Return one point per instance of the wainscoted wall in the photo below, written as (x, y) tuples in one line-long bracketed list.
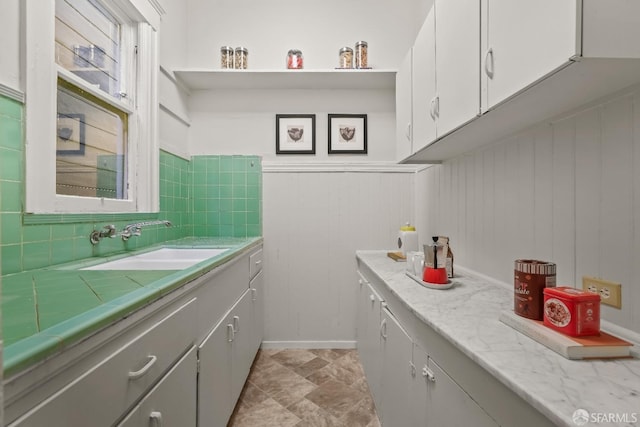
[(314, 221), (566, 191)]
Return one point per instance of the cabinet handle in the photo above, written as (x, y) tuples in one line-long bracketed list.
[(428, 374), (408, 131), (254, 293), (236, 324), (383, 328), (156, 417), (412, 368), (137, 374), (372, 298), (435, 107), (230, 333), (488, 63)]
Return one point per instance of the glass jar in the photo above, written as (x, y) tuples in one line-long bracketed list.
[(346, 58), (241, 58), (226, 57), (361, 54), (295, 60)]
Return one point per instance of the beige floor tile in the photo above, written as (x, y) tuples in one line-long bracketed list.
[(335, 397), (268, 413), (294, 357)]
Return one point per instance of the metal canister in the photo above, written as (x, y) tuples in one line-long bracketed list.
[(241, 58), (346, 58), (226, 57), (530, 279), (361, 54)]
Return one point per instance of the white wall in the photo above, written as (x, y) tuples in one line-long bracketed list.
[(566, 191), (269, 28), (313, 224), (243, 122), (174, 120), (10, 45)]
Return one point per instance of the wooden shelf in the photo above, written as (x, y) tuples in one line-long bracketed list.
[(202, 79)]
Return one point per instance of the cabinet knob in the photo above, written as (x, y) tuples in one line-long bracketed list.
[(236, 324), (428, 374), (156, 417), (383, 328)]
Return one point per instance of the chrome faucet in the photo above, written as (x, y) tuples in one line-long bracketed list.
[(135, 229), (107, 231)]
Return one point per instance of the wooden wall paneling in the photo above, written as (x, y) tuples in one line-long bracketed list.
[(543, 192), (488, 210), (633, 304), (524, 208), (512, 246), (499, 214), (617, 203), (588, 194), (563, 239)]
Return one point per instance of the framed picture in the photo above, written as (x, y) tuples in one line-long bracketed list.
[(70, 134), (347, 134), (295, 134)]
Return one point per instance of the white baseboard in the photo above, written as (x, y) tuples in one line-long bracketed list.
[(308, 344)]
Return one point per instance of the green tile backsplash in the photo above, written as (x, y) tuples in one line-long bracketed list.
[(209, 196)]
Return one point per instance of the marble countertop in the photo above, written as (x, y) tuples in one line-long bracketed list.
[(468, 316), (45, 310)]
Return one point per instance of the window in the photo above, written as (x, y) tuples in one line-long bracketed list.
[(91, 106)]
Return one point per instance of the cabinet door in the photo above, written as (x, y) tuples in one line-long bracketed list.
[(404, 108), (525, 41), (419, 408), (457, 63), (396, 371), (449, 405), (256, 287), (242, 345), (424, 84), (172, 402), (215, 355), (368, 342)]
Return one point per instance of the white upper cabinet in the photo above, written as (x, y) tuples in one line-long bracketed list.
[(424, 84), (538, 60), (404, 108), (457, 63), (523, 41)]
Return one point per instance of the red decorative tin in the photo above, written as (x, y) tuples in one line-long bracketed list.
[(530, 278), (572, 311)]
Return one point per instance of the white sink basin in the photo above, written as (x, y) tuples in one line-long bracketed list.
[(161, 259)]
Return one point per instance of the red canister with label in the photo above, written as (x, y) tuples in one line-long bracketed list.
[(572, 311), (531, 277)]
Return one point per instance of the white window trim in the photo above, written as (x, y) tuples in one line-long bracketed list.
[(40, 83)]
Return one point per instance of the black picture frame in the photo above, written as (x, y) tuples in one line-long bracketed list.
[(347, 133), (295, 134), (70, 135)]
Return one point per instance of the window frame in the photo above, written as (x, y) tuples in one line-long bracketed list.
[(40, 83)]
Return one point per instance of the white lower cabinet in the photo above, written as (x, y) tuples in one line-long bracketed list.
[(225, 358), (438, 401), (172, 402), (409, 388), (369, 343), (396, 372)]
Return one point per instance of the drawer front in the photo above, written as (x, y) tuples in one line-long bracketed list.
[(102, 394), (172, 402), (255, 263)]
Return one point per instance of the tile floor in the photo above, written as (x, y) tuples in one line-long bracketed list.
[(305, 388)]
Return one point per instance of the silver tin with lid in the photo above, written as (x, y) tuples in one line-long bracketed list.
[(362, 54), (346, 58), (241, 58)]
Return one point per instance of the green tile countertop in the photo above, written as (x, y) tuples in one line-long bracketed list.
[(45, 310)]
